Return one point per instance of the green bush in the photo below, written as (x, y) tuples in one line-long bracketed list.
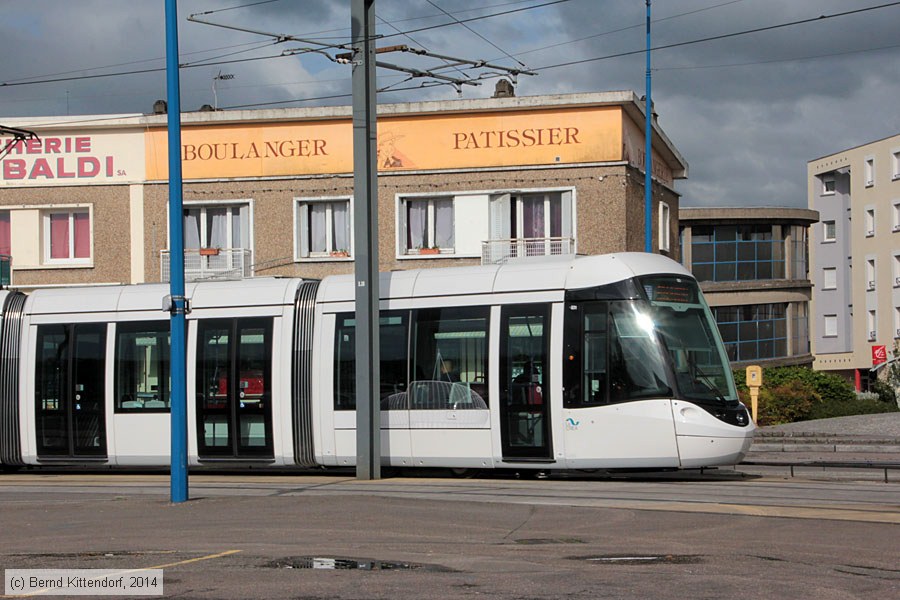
[(828, 386), (793, 394), (885, 391), (785, 403), (827, 409)]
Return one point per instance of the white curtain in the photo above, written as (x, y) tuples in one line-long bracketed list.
[(317, 227), (341, 226), (217, 228), (418, 213), (236, 226), (443, 223), (192, 228)]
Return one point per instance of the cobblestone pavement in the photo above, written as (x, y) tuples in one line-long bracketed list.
[(885, 425)]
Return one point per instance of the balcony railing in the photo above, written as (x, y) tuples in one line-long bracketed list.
[(203, 264), (501, 251)]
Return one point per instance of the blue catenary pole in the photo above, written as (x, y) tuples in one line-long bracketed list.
[(179, 470), (648, 152)]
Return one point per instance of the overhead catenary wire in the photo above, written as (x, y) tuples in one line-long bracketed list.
[(778, 60), (547, 67), (508, 55), (719, 37)]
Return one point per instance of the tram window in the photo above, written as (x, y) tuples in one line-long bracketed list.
[(450, 362), (393, 345), (612, 355), (585, 370), (143, 379), (635, 363)]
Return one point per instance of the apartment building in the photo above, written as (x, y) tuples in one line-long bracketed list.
[(270, 192), (752, 267), (855, 253)]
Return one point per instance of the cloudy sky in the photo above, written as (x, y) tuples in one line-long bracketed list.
[(747, 111)]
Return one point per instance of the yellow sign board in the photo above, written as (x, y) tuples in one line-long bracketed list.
[(405, 143)]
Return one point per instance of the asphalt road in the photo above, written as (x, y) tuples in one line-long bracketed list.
[(712, 536)]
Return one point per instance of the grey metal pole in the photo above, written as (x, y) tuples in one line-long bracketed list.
[(365, 233)]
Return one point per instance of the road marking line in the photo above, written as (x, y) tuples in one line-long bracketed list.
[(191, 560)]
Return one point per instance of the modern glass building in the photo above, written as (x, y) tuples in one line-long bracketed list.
[(752, 267)]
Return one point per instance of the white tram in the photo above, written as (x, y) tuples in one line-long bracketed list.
[(595, 362)]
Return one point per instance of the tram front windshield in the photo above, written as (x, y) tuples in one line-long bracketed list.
[(688, 333)]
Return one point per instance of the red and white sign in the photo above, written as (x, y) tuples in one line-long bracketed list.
[(64, 159), (879, 355)]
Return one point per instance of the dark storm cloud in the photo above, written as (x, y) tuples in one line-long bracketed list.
[(747, 130)]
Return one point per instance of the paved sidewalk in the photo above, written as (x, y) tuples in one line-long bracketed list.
[(859, 447), (884, 425)]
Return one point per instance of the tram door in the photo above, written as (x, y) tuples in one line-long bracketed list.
[(70, 398), (234, 388), (524, 372)]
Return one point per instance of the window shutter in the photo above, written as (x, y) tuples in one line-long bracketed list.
[(500, 216), (567, 212), (402, 228), (303, 229)]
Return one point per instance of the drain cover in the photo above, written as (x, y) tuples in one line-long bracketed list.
[(362, 564)]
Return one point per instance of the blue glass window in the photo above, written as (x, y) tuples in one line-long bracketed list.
[(753, 331), (736, 253)]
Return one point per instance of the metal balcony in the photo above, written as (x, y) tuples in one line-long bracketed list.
[(205, 264), (500, 251)]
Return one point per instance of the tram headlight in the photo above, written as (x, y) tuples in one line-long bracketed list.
[(741, 417)]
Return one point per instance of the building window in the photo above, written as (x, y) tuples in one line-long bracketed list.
[(800, 329), (323, 228), (870, 221), (870, 274), (829, 231), (895, 164), (217, 226), (427, 226), (67, 236), (143, 378), (753, 331), (799, 251), (829, 279), (831, 329), (736, 253), (895, 225), (665, 226), (870, 171), (5, 233), (531, 216), (897, 270), (828, 183), (897, 322), (872, 322), (531, 224)]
